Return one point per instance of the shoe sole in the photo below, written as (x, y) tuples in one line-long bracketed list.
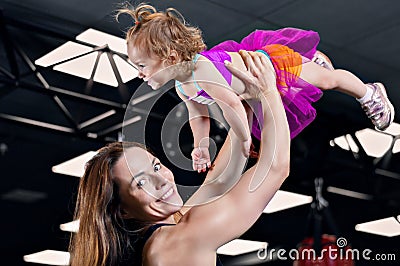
[(382, 87)]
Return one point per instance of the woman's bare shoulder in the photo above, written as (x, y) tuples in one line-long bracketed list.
[(158, 248)]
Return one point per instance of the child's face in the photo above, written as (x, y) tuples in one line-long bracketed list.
[(151, 67)]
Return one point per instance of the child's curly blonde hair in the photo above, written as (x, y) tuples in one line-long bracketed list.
[(160, 32)]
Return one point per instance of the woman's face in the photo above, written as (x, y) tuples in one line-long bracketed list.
[(147, 188), (152, 69)]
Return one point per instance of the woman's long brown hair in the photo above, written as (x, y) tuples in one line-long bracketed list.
[(102, 238)]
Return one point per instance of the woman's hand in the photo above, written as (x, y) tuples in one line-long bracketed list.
[(259, 78)]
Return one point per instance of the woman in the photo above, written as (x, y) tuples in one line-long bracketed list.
[(127, 202)]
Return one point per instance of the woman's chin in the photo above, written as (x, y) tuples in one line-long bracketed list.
[(175, 201)]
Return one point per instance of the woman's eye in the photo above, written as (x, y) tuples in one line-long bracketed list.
[(157, 167), (141, 183)]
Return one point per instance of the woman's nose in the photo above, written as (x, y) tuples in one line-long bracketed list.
[(160, 181)]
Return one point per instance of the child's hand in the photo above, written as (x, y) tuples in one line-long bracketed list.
[(246, 147), (201, 159)]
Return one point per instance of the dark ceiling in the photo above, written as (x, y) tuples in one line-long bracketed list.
[(42, 111)]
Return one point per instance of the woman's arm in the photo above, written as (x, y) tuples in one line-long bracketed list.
[(231, 215), (222, 176)]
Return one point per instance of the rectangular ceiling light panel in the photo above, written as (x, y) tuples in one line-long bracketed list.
[(375, 143), (99, 38), (49, 257), (75, 166), (285, 200), (241, 246), (385, 227), (72, 227), (64, 52)]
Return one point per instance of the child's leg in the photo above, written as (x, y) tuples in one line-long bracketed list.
[(340, 80), (372, 97)]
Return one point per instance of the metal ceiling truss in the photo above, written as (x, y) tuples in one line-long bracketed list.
[(14, 79)]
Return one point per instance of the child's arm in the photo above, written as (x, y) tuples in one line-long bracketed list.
[(213, 83), (233, 111), (200, 124)]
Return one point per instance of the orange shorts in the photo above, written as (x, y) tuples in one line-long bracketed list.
[(285, 60)]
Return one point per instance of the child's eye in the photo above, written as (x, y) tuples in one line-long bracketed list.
[(157, 167), (141, 66), (141, 183)]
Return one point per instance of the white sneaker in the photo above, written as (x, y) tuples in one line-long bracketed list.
[(378, 108)]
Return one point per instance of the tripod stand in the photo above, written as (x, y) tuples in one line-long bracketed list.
[(318, 248)]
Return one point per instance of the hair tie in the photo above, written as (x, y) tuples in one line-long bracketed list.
[(137, 22)]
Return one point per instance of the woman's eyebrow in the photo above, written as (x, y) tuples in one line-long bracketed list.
[(135, 176)]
